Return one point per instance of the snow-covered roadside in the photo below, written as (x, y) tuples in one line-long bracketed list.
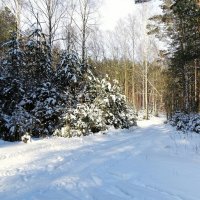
[(152, 162)]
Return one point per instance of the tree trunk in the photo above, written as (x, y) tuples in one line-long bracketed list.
[(195, 86), (146, 91), (126, 80)]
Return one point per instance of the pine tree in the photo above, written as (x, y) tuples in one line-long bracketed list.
[(180, 23), (99, 105), (69, 73), (13, 63), (11, 93), (38, 66), (70, 102)]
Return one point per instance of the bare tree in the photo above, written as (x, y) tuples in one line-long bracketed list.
[(132, 33), (145, 58), (70, 32), (51, 13), (111, 45), (96, 45), (87, 11)]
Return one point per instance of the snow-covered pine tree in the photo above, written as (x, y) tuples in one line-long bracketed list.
[(70, 73), (11, 93), (46, 103), (11, 83), (13, 63), (25, 72), (72, 103), (99, 106), (38, 66), (114, 106)]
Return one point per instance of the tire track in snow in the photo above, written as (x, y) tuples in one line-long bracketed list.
[(136, 188), (156, 189), (109, 167)]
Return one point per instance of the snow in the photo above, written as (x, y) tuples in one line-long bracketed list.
[(152, 162)]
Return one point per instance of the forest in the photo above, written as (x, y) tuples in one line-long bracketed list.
[(99, 99), (61, 75)]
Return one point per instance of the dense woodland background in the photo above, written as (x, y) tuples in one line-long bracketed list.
[(61, 75)]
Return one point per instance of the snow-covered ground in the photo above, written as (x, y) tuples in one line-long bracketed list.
[(152, 162)]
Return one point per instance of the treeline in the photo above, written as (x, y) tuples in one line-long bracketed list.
[(131, 77), (57, 92), (48, 91), (119, 54), (179, 26)]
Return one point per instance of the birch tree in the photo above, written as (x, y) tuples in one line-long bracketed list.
[(87, 11), (70, 30), (51, 14)]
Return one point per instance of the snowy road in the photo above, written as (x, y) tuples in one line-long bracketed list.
[(152, 162)]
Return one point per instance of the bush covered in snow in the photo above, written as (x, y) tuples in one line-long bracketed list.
[(82, 120), (186, 122), (11, 92), (100, 106), (68, 102), (46, 104), (115, 109)]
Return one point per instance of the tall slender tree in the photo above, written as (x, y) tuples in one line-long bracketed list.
[(180, 23)]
